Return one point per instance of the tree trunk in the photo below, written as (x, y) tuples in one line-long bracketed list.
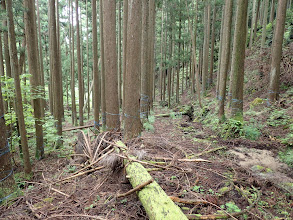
[(193, 41), (162, 44), (79, 74), (57, 80), (145, 68), (210, 81), (15, 70), (179, 51), (205, 63), (256, 21), (8, 66), (41, 60), (1, 57), (133, 125), (272, 13), (238, 57), (119, 56), (220, 52), (87, 63), (102, 84), (97, 96), (151, 34), (110, 59), (125, 20), (264, 23), (34, 69), (274, 85), (225, 55)]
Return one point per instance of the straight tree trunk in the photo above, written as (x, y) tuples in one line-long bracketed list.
[(41, 60), (256, 20), (205, 64), (145, 62), (15, 70), (220, 51), (193, 41), (161, 63), (79, 73), (274, 85), (57, 80), (110, 59), (73, 102), (272, 13), (1, 57), (210, 81), (96, 91), (88, 61), (6, 46), (264, 23), (225, 55), (132, 121), (178, 62), (103, 74), (152, 16), (238, 57), (119, 56), (125, 20), (34, 68)]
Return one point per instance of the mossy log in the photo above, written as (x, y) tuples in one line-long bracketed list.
[(156, 202)]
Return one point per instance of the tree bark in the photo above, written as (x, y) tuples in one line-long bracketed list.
[(1, 57), (15, 70), (102, 84), (132, 121), (34, 68), (205, 63), (238, 57), (96, 91), (125, 20), (145, 64), (80, 79), (57, 80), (274, 85), (225, 56), (264, 23), (110, 59), (119, 55), (210, 81), (73, 102)]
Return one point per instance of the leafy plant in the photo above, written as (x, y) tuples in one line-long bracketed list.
[(231, 207), (148, 125), (287, 156)]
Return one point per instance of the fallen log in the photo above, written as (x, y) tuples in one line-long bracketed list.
[(153, 198)]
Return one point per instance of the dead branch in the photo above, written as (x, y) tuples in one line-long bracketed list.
[(188, 201), (139, 187), (79, 127)]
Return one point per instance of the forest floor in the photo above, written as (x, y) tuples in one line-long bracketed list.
[(239, 172), (234, 173)]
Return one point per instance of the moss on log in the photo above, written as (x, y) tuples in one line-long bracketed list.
[(156, 202)]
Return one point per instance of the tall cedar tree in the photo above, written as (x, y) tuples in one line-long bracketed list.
[(18, 98), (95, 66), (145, 65), (110, 59), (103, 98), (79, 72), (54, 62), (205, 65), (34, 68), (238, 57), (274, 86), (133, 126), (225, 55)]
